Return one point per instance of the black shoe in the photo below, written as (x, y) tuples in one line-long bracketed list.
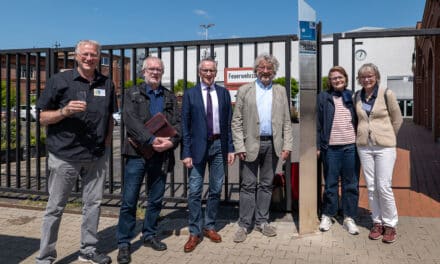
[(155, 244), (95, 258), (124, 256)]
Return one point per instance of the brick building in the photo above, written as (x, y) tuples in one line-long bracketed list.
[(426, 66), (37, 67)]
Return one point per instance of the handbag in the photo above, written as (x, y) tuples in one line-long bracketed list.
[(278, 192)]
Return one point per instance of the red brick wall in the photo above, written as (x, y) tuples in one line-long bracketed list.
[(427, 73)]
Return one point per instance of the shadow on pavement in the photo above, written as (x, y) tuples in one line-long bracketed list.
[(173, 222), (15, 249), (106, 244)]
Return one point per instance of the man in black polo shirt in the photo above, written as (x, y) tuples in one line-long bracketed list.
[(77, 106)]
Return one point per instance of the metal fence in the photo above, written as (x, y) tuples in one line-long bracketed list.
[(24, 73)]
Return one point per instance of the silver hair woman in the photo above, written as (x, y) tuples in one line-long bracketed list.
[(379, 120)]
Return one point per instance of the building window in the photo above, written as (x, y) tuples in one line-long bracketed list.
[(406, 107), (402, 106), (409, 107), (23, 72), (105, 61)]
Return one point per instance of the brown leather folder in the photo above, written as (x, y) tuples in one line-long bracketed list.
[(159, 126)]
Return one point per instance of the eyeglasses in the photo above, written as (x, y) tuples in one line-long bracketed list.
[(208, 70), (268, 68), (159, 70), (89, 54), (336, 78), (369, 77)]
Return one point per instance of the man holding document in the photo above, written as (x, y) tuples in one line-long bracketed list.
[(146, 152)]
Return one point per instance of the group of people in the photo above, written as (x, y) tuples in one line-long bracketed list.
[(77, 105), (351, 128)]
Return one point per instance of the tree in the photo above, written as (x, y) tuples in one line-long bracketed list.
[(293, 85), (33, 99), (129, 83), (178, 87), (324, 83), (11, 94)]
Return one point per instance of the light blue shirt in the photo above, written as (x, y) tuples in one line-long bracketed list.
[(264, 106)]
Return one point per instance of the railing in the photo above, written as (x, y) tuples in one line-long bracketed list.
[(24, 73)]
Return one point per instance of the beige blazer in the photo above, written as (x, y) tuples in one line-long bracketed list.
[(245, 121)]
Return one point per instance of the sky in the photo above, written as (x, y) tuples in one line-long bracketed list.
[(44, 23)]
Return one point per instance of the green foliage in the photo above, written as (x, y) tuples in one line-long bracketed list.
[(33, 99), (42, 136), (324, 84), (293, 85), (13, 144), (3, 94), (178, 87), (129, 83)]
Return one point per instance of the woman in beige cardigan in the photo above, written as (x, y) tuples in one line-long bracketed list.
[(379, 120)]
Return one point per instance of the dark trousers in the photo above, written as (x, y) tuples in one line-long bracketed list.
[(256, 189)]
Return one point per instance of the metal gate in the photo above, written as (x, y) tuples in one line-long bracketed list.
[(24, 74)]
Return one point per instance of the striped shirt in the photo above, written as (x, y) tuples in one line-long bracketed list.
[(342, 128)]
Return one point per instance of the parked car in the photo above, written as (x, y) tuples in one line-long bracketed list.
[(117, 118), (32, 112)]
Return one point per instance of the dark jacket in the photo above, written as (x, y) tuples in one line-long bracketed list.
[(326, 113), (136, 112), (195, 132)]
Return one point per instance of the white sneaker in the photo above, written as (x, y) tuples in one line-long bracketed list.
[(240, 235), (266, 229), (326, 223), (350, 226)]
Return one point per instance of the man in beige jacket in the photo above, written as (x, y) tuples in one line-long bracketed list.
[(262, 134)]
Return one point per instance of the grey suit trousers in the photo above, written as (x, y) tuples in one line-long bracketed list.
[(62, 178), (256, 189)]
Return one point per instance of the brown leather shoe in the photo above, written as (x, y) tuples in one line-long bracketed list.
[(192, 243), (212, 235)]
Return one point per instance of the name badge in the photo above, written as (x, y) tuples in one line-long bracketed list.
[(366, 107), (98, 92)]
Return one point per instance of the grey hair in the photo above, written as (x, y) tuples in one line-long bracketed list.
[(267, 58), (144, 64), (368, 67), (210, 59), (88, 41)]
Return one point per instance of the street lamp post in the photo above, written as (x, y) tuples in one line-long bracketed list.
[(206, 26)]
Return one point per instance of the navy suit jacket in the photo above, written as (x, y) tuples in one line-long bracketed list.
[(194, 127)]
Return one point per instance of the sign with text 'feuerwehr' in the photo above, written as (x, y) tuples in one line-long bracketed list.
[(236, 77)]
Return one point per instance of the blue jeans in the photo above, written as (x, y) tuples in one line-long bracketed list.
[(135, 169), (341, 161), (214, 158)]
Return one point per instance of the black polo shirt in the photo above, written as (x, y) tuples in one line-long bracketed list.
[(81, 136)]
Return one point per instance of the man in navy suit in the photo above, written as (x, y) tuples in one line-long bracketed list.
[(207, 138)]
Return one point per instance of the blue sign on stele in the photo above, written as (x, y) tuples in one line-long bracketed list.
[(307, 30)]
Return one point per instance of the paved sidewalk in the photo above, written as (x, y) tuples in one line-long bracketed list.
[(418, 235), (418, 242)]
